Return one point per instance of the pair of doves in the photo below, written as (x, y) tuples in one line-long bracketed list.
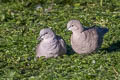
[(83, 40)]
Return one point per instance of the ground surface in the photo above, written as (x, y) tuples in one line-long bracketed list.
[(20, 23)]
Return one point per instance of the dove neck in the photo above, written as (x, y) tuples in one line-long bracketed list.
[(77, 32), (51, 42), (50, 39)]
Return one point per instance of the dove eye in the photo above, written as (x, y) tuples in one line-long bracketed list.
[(72, 25), (46, 33)]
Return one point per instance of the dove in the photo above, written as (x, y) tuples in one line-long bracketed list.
[(50, 44), (85, 40)]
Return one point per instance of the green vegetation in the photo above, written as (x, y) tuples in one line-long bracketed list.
[(20, 23)]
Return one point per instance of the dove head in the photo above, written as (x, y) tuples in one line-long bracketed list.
[(74, 25), (46, 33)]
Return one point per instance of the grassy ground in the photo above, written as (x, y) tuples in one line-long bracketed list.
[(20, 23)]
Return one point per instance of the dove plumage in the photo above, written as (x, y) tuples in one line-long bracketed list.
[(85, 40), (51, 45)]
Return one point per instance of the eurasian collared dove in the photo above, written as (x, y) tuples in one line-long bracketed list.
[(85, 40), (50, 44)]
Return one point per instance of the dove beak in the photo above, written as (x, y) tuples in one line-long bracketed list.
[(40, 38), (68, 28)]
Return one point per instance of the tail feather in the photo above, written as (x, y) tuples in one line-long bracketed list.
[(100, 30)]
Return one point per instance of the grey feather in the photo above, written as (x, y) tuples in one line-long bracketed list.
[(51, 44), (85, 40)]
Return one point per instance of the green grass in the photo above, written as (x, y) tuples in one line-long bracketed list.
[(20, 24)]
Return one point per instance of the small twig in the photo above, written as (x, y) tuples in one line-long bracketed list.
[(117, 74), (115, 71)]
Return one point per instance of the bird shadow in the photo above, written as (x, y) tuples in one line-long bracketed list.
[(70, 51), (115, 47)]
